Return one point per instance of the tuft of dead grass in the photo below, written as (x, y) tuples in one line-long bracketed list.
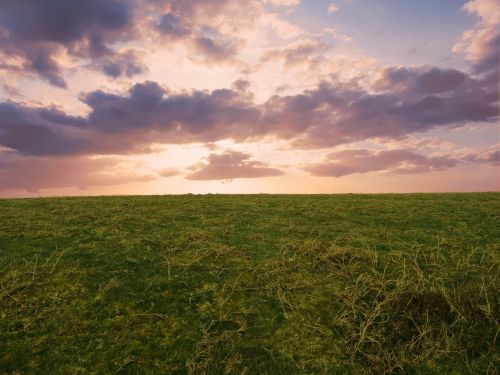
[(428, 309)]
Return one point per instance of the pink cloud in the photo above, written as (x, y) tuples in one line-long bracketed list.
[(36, 173), (230, 165), (481, 43), (169, 172), (343, 163), (333, 113)]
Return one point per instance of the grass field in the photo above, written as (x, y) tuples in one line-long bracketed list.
[(262, 284)]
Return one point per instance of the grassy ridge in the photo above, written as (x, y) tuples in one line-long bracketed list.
[(250, 284)]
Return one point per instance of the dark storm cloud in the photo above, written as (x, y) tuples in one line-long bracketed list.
[(230, 165), (344, 163)]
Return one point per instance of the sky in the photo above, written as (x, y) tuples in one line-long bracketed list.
[(113, 97)]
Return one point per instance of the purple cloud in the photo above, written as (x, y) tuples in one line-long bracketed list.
[(329, 115), (169, 172), (230, 165), (36, 173), (336, 113), (310, 52), (174, 26), (481, 43), (194, 116), (215, 47), (421, 80), (491, 157), (343, 163), (125, 64), (37, 31)]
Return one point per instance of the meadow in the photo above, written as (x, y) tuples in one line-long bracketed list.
[(258, 284)]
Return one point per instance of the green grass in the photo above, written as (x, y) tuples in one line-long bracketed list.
[(262, 284)]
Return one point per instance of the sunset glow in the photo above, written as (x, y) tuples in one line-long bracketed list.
[(248, 96)]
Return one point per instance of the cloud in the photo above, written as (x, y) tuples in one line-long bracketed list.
[(491, 157), (230, 165), (211, 29), (283, 3), (405, 101), (335, 34), (39, 31), (128, 123), (40, 131), (488, 10), (335, 113), (36, 173), (215, 46), (207, 43), (355, 102), (304, 52), (174, 26), (126, 64), (169, 172), (421, 80), (283, 29), (396, 161), (47, 36), (332, 8), (184, 117), (57, 21), (481, 43), (42, 60), (343, 163), (51, 36), (197, 8)]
